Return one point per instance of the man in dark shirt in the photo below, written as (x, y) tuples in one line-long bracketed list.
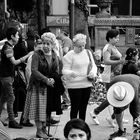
[(7, 67)]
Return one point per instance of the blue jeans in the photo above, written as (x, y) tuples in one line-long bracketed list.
[(7, 96)]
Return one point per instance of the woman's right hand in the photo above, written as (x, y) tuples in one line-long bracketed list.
[(73, 75), (68, 77), (50, 82)]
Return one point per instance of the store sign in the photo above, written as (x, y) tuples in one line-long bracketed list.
[(130, 35), (63, 21), (57, 21)]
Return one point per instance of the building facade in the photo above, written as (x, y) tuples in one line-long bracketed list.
[(125, 18)]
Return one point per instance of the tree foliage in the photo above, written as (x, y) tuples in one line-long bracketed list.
[(21, 10), (81, 14), (21, 5)]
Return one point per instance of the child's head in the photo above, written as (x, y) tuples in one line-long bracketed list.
[(132, 54)]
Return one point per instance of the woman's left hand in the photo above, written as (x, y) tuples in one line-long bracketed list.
[(91, 76)]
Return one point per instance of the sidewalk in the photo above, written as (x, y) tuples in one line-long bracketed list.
[(99, 132)]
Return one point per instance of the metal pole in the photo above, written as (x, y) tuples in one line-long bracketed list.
[(130, 8), (71, 19)]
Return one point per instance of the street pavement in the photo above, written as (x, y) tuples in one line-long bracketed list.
[(99, 132)]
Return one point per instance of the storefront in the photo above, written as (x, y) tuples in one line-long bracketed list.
[(129, 28), (56, 23)]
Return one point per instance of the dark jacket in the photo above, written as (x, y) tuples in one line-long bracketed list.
[(40, 72)]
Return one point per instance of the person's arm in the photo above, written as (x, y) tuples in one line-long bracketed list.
[(109, 61), (67, 64), (21, 60), (10, 54)]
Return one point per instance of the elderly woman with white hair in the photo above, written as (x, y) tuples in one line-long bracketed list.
[(77, 74), (44, 86)]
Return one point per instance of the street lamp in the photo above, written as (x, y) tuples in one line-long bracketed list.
[(71, 18)]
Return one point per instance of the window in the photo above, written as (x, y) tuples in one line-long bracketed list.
[(135, 8), (118, 8), (93, 8)]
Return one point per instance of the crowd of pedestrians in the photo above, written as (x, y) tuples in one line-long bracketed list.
[(39, 73)]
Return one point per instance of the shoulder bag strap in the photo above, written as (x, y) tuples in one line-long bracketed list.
[(90, 62), (88, 55)]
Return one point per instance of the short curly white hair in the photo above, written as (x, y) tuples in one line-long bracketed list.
[(80, 38), (48, 36)]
